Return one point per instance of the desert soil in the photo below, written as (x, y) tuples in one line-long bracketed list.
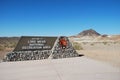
[(108, 52)]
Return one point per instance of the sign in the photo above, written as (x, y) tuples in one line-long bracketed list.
[(36, 48), (32, 43)]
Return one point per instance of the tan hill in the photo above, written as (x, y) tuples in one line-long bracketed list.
[(91, 35)]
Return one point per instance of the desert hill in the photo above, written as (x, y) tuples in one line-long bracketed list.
[(89, 32), (91, 35)]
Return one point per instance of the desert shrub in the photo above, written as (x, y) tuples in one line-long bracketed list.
[(84, 43), (92, 44), (77, 46), (115, 42), (1, 48), (12, 45), (6, 45), (104, 43)]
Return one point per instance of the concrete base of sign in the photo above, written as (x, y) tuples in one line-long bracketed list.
[(77, 68)]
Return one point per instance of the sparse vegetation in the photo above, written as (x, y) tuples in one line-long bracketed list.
[(92, 44), (6, 42), (105, 43), (84, 43), (1, 48), (114, 42), (77, 46)]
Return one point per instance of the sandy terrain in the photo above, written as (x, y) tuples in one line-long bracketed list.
[(79, 68), (103, 51)]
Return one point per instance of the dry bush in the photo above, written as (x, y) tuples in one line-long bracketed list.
[(1, 48), (92, 44), (105, 43), (77, 46)]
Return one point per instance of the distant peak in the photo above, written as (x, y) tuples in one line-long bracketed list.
[(89, 32)]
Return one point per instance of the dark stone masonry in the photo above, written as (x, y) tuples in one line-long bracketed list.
[(37, 48)]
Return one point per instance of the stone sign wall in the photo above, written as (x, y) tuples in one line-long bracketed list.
[(36, 48)]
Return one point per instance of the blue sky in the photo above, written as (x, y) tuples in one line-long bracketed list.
[(58, 17)]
